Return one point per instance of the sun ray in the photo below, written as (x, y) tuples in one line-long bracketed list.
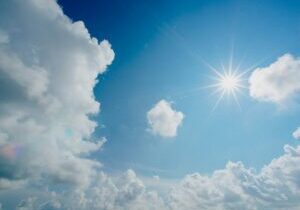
[(218, 101), (236, 99)]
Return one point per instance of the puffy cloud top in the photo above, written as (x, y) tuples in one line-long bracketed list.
[(274, 187), (296, 133), (278, 82), (163, 120), (236, 187), (48, 69)]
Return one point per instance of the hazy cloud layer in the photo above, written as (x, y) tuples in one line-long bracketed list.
[(279, 82), (163, 120)]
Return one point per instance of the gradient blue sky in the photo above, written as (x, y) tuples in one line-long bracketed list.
[(160, 47)]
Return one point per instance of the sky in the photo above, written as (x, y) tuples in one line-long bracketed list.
[(159, 105), (159, 49)]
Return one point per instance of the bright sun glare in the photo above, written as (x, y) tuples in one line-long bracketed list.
[(227, 83)]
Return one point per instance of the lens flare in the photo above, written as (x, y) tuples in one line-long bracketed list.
[(10, 151)]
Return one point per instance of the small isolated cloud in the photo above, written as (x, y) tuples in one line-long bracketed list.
[(163, 120), (296, 133), (279, 82)]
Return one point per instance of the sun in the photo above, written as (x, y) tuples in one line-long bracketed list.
[(228, 83)]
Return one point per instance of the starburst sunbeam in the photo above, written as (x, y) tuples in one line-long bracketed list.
[(229, 83)]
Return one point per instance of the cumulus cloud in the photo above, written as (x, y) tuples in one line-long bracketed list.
[(279, 82), (48, 69), (125, 191), (296, 133), (163, 120), (274, 187)]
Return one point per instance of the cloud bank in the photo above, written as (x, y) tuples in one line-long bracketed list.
[(274, 187), (163, 120)]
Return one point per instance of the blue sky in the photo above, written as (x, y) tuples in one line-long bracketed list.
[(159, 48), (149, 105)]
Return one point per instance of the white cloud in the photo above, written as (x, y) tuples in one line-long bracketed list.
[(274, 187), (296, 133), (11, 184), (28, 204), (279, 82), (163, 120), (122, 192), (125, 191), (48, 69)]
